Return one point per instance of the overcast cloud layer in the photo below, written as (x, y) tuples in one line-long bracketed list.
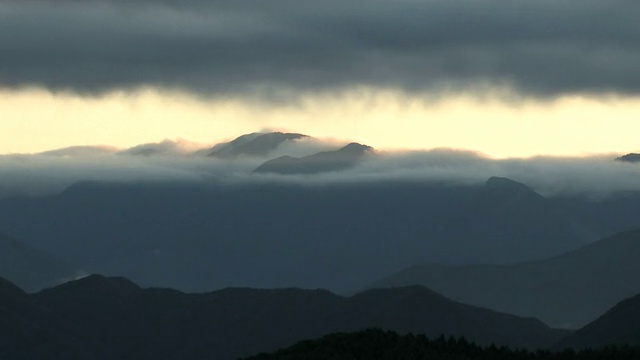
[(543, 48)]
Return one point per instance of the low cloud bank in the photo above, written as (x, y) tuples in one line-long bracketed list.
[(51, 172)]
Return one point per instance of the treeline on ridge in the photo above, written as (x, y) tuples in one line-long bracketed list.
[(376, 344)]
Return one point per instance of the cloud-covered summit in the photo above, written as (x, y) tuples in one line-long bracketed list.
[(541, 48), (310, 161)]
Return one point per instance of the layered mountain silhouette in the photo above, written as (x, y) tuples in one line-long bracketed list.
[(31, 331), (632, 158), (508, 218), (117, 319), (340, 236), (255, 144), (564, 291), (620, 325), (33, 270), (341, 159), (101, 317)]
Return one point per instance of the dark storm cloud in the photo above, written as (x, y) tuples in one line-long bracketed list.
[(543, 48)]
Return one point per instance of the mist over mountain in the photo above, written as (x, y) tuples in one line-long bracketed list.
[(118, 319), (569, 290), (256, 145), (631, 158), (32, 269), (327, 215), (51, 172), (341, 159), (250, 242), (195, 222), (81, 151), (163, 148)]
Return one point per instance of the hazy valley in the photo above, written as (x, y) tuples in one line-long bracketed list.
[(275, 213)]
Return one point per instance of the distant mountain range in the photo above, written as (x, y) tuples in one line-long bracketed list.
[(569, 290), (341, 236), (258, 144), (107, 318), (500, 245), (254, 145), (101, 317)]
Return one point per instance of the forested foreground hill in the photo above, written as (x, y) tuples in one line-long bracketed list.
[(374, 344)]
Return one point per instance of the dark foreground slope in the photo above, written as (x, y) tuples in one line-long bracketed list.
[(339, 236), (375, 344), (564, 291), (120, 320), (31, 331), (620, 325)]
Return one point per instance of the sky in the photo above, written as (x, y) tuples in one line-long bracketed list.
[(506, 79)]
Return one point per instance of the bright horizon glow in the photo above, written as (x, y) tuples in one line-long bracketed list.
[(35, 120)]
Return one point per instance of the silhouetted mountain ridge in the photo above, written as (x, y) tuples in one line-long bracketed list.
[(567, 290), (265, 234), (341, 159), (501, 186), (80, 151), (631, 157), (118, 319), (255, 144), (97, 284), (619, 325)]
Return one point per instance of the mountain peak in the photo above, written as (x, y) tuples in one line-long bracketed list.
[(502, 186), (355, 147), (96, 279), (99, 283), (341, 159), (631, 157), (496, 182), (254, 144)]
